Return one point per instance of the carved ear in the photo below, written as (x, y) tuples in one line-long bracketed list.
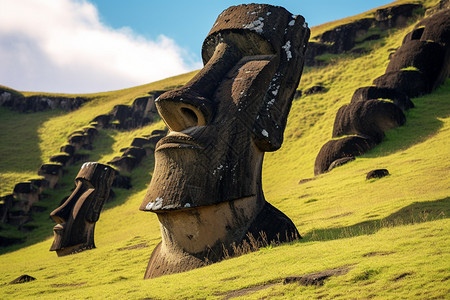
[(271, 120)]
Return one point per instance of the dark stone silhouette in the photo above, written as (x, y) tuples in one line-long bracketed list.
[(337, 149), (221, 123), (340, 162), (121, 181), (395, 16), (427, 57), (51, 173), (412, 83), (367, 118), (373, 92), (17, 101), (77, 216), (314, 90), (63, 159), (379, 173), (69, 149), (22, 279)]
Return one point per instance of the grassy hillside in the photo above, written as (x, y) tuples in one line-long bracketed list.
[(391, 236)]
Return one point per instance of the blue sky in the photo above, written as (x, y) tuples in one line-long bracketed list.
[(80, 46), (188, 22)]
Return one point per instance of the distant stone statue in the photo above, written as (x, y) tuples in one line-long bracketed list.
[(76, 217), (206, 188)]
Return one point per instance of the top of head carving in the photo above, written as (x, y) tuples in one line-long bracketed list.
[(231, 112)]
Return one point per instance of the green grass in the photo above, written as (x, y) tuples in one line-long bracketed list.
[(392, 233)]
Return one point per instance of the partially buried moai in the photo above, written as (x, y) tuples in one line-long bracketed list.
[(76, 217), (206, 187)]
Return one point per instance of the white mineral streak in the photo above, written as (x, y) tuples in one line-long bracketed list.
[(155, 205), (256, 25), (292, 23), (187, 205), (287, 48), (305, 25), (265, 133), (269, 13)]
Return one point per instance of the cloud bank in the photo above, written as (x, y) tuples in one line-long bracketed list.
[(62, 46)]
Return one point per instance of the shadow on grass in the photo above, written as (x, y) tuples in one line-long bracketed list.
[(417, 212), (422, 122), (19, 147)]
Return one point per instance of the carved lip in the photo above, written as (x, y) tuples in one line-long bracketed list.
[(178, 140), (59, 227)]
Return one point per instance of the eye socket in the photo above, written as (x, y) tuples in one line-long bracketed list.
[(189, 116)]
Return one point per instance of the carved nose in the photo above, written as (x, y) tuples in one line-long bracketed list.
[(184, 108)]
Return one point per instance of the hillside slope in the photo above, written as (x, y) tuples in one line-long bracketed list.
[(388, 237)]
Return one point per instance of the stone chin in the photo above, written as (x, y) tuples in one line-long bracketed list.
[(62, 244), (189, 175)]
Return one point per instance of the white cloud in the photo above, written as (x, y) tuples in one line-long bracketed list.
[(62, 46)]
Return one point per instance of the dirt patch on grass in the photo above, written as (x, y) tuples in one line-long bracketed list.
[(403, 275), (242, 292), (378, 253), (133, 247), (58, 285), (317, 278)]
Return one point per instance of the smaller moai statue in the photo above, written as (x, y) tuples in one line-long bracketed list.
[(76, 217)]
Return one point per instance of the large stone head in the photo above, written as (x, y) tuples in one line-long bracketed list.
[(206, 186), (231, 112), (76, 217)]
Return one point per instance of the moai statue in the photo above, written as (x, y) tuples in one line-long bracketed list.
[(76, 217), (206, 188)]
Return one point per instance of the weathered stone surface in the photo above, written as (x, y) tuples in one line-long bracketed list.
[(367, 118), (427, 57), (27, 193), (102, 121), (316, 49), (51, 173), (436, 28), (69, 149), (22, 279), (336, 149), (221, 122), (339, 162), (40, 183), (77, 216), (412, 83), (124, 163), (77, 140), (140, 142), (373, 92), (395, 16), (379, 173), (121, 181), (314, 90), (135, 152), (16, 101), (442, 5), (342, 38), (63, 159)]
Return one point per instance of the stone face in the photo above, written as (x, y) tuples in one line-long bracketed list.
[(379, 173), (373, 92), (51, 173), (337, 149), (412, 83), (367, 118), (221, 123), (77, 215)]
